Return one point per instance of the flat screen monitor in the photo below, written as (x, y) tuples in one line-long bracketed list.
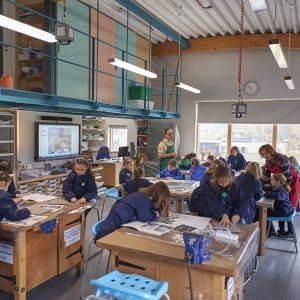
[(55, 141), (123, 151)]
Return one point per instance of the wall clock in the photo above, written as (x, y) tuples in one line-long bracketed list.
[(251, 88)]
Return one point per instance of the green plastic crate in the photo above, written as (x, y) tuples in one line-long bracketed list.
[(140, 93)]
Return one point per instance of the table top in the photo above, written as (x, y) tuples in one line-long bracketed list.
[(68, 208), (165, 247), (263, 202)]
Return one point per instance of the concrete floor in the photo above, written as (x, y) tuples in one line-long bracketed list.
[(277, 278)]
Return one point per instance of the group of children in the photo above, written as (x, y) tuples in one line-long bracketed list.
[(219, 196)]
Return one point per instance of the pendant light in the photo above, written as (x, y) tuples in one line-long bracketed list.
[(288, 78), (276, 48), (239, 109), (178, 83)]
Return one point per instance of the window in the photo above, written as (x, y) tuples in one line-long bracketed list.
[(212, 139), (288, 139), (117, 137), (249, 137)]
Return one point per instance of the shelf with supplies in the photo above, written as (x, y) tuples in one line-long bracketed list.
[(8, 139), (142, 137)]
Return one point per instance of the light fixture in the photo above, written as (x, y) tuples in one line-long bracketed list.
[(258, 5), (26, 29), (278, 54), (178, 83), (289, 82), (130, 67), (187, 87)]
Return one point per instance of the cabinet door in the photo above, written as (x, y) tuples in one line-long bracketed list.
[(71, 230)]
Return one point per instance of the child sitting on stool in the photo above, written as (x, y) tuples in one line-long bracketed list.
[(137, 182), (125, 174)]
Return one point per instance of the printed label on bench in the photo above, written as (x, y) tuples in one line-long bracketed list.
[(72, 235), (6, 253)]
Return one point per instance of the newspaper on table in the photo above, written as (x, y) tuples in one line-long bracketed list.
[(36, 197)]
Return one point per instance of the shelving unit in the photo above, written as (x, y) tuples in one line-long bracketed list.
[(30, 66), (142, 138), (93, 134), (8, 139)]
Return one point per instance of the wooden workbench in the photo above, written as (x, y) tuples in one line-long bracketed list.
[(110, 172), (35, 257), (160, 259)]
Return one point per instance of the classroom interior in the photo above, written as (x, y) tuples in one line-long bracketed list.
[(68, 97)]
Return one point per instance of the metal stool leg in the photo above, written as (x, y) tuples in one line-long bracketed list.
[(256, 264), (294, 236), (269, 227), (97, 211), (104, 200)]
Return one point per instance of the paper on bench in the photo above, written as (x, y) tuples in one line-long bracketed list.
[(38, 197)]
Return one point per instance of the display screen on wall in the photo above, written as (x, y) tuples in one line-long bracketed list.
[(56, 140)]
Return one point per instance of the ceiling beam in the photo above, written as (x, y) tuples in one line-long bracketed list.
[(254, 41), (155, 22)]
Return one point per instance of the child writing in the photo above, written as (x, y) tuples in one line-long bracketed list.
[(8, 208), (10, 188), (80, 185), (186, 164), (145, 205), (197, 171), (218, 199), (171, 171), (251, 189), (282, 204), (125, 174), (137, 182)]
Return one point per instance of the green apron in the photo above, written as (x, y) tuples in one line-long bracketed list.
[(164, 161)]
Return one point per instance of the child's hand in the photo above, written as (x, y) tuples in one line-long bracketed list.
[(235, 219), (225, 220), (73, 200), (82, 200)]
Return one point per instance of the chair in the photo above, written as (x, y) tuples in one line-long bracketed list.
[(110, 193), (95, 228), (288, 219), (130, 286)]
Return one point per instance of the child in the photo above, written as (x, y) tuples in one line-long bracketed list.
[(11, 188), (171, 171), (210, 170), (294, 162), (126, 171), (80, 185), (8, 208), (145, 206), (282, 204), (236, 160), (251, 189), (210, 159), (185, 164), (137, 182), (196, 171), (218, 199)]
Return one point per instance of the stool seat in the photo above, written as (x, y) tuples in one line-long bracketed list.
[(288, 218), (129, 286)]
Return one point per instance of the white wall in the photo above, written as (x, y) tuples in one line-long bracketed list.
[(215, 73)]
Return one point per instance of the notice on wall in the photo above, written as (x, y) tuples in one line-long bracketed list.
[(6, 253), (230, 288), (72, 235)]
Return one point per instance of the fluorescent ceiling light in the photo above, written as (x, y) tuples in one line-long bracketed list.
[(289, 82), (127, 66), (26, 29), (187, 87), (258, 5), (278, 54)]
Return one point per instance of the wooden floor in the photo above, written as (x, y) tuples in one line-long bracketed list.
[(278, 277)]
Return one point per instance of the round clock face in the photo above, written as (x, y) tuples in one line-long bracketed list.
[(251, 88)]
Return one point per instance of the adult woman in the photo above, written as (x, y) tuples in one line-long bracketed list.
[(279, 163), (236, 161)]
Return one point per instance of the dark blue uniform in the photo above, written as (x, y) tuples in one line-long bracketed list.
[(9, 209), (251, 191), (79, 186), (205, 179), (282, 205), (196, 173), (12, 189), (132, 186), (207, 202), (237, 162), (125, 176), (176, 173), (134, 207)]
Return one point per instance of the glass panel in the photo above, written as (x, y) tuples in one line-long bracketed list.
[(249, 137), (212, 139), (118, 138), (288, 139)]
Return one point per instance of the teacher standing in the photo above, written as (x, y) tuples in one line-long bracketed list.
[(166, 149)]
